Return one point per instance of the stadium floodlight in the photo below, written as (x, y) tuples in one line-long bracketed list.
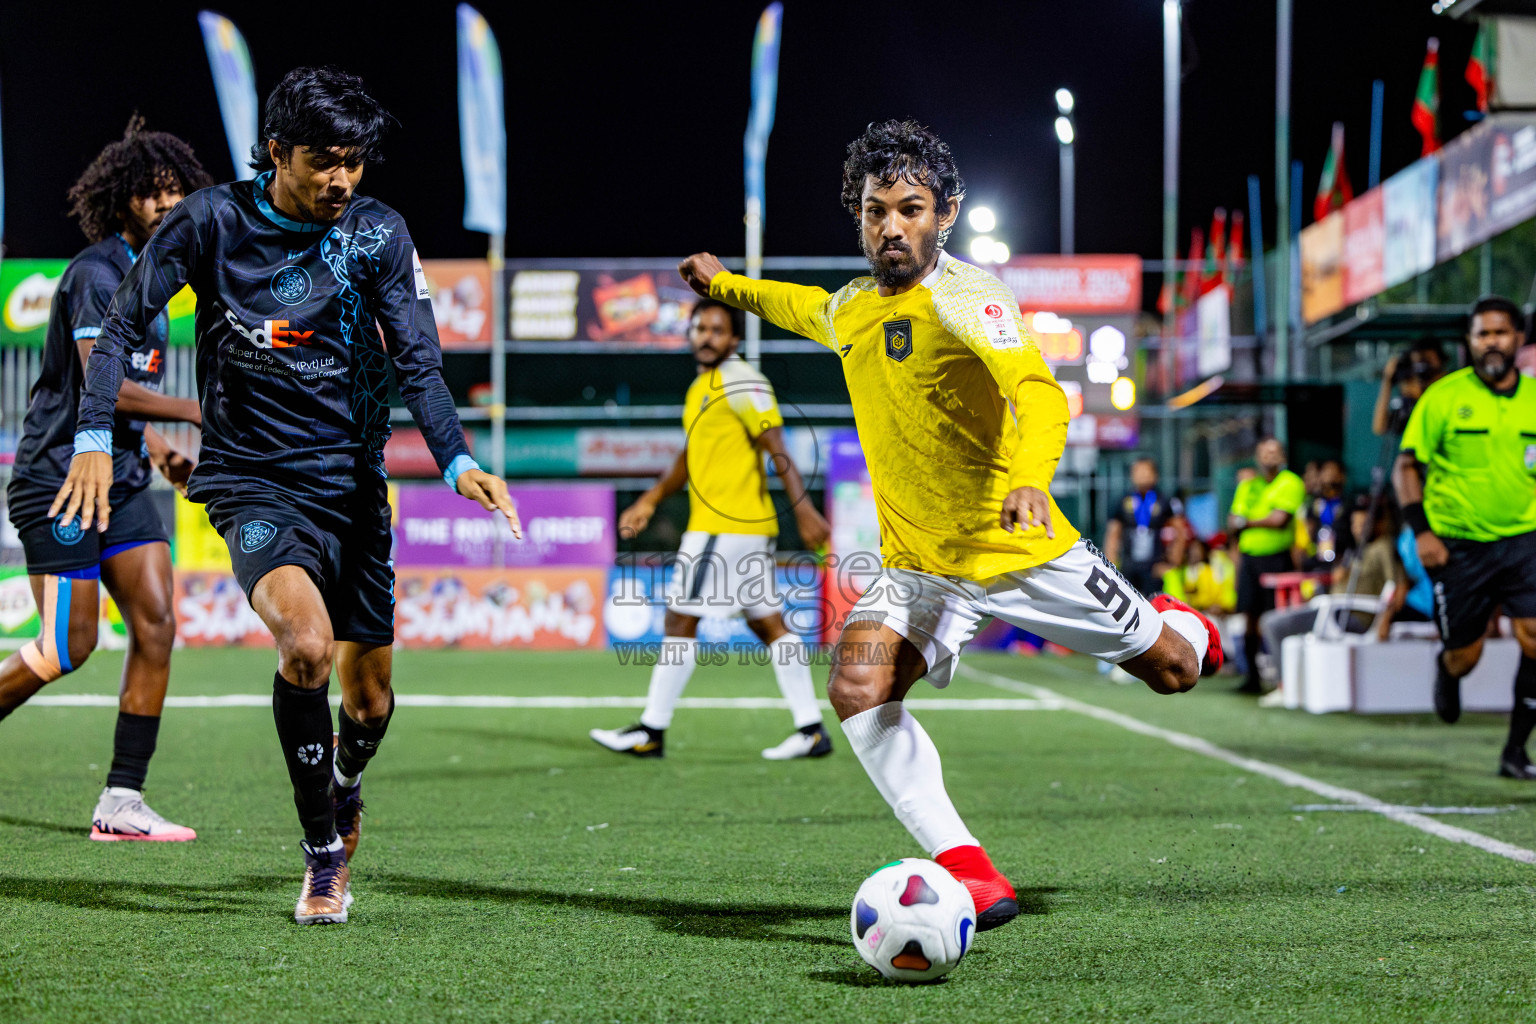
[(984, 249), (1122, 393), (1107, 344), (1064, 130), (981, 218), (1000, 252), (1064, 101)]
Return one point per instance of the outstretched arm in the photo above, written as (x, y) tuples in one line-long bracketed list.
[(162, 270), (638, 516), (814, 529), (804, 310), (410, 336)]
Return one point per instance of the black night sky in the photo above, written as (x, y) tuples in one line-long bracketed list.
[(625, 121)]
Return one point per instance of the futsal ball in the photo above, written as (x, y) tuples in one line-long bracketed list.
[(912, 920)]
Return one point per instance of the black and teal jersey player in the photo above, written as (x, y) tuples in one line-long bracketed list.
[(291, 367)]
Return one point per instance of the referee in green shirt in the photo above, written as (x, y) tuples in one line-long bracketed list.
[(1466, 481), (1262, 516)]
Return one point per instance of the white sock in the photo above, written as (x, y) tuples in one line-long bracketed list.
[(1189, 626), (904, 765), (345, 781), (674, 664), (791, 667)]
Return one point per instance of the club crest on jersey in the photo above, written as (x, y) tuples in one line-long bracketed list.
[(68, 533), (256, 535), (291, 285), (898, 339)]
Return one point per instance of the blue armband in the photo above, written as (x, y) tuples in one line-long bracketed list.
[(93, 441), (461, 464)]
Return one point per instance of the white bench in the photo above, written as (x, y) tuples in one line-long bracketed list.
[(1355, 673)]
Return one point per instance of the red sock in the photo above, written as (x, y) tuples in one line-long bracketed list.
[(972, 866)]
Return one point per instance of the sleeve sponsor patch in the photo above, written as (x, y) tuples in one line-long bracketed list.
[(999, 325), (421, 276)]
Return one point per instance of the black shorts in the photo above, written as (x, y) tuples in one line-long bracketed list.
[(64, 549), (1253, 598), (1479, 577), (343, 543)]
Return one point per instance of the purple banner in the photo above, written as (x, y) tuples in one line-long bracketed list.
[(570, 524)]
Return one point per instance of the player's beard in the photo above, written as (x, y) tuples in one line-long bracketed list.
[(1493, 365), (901, 270)]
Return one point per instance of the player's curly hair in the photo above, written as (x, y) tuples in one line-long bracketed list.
[(895, 151), (137, 165), (322, 108)]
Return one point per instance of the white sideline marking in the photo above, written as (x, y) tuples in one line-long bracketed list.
[(432, 700), (1285, 776), (1401, 807)]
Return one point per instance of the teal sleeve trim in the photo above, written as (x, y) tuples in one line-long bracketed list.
[(460, 464), (93, 441)]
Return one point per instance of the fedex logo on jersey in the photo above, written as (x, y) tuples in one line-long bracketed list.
[(271, 334), (146, 362)]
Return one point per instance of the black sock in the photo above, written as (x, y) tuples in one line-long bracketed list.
[(811, 730), (304, 729), (132, 748), (358, 743), (1253, 644), (1522, 717)]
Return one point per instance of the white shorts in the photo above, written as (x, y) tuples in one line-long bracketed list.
[(717, 575), (1077, 600)]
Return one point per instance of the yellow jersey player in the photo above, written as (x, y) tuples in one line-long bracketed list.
[(962, 425), (725, 563)]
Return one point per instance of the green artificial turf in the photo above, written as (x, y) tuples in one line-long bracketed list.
[(510, 870)]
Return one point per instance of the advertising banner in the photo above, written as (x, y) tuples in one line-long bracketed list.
[(1408, 201), (482, 124), (1075, 284), (570, 524), (635, 608), (26, 299), (540, 609), (461, 301), (854, 557), (1364, 246), (537, 609), (234, 82), (18, 612), (198, 545), (1213, 316), (1463, 219), (646, 305), (1322, 268), (611, 451)]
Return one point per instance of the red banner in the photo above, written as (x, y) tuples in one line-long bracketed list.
[(1075, 284), (1365, 238)]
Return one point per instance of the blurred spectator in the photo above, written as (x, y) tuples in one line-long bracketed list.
[(1207, 580), (1262, 516), (1327, 536), (1409, 373), (1367, 575), (1416, 601), (1139, 537)]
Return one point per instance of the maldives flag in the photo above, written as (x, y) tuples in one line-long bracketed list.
[(1235, 241), (1426, 101), (1480, 66), (1333, 190)]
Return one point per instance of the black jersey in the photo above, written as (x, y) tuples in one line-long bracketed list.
[(291, 367), (79, 307)]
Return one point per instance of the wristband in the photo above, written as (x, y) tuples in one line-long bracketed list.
[(1414, 516)]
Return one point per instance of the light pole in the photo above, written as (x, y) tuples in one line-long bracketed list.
[(1066, 134)]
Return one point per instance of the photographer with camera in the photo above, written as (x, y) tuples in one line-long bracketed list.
[(1410, 373)]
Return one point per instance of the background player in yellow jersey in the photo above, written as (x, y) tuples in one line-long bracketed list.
[(962, 425), (725, 563)]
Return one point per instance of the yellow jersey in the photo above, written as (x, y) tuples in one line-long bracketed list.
[(725, 411), (954, 406)]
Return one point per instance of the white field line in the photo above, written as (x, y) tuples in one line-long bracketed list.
[(1401, 807), (430, 700), (1285, 776)]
